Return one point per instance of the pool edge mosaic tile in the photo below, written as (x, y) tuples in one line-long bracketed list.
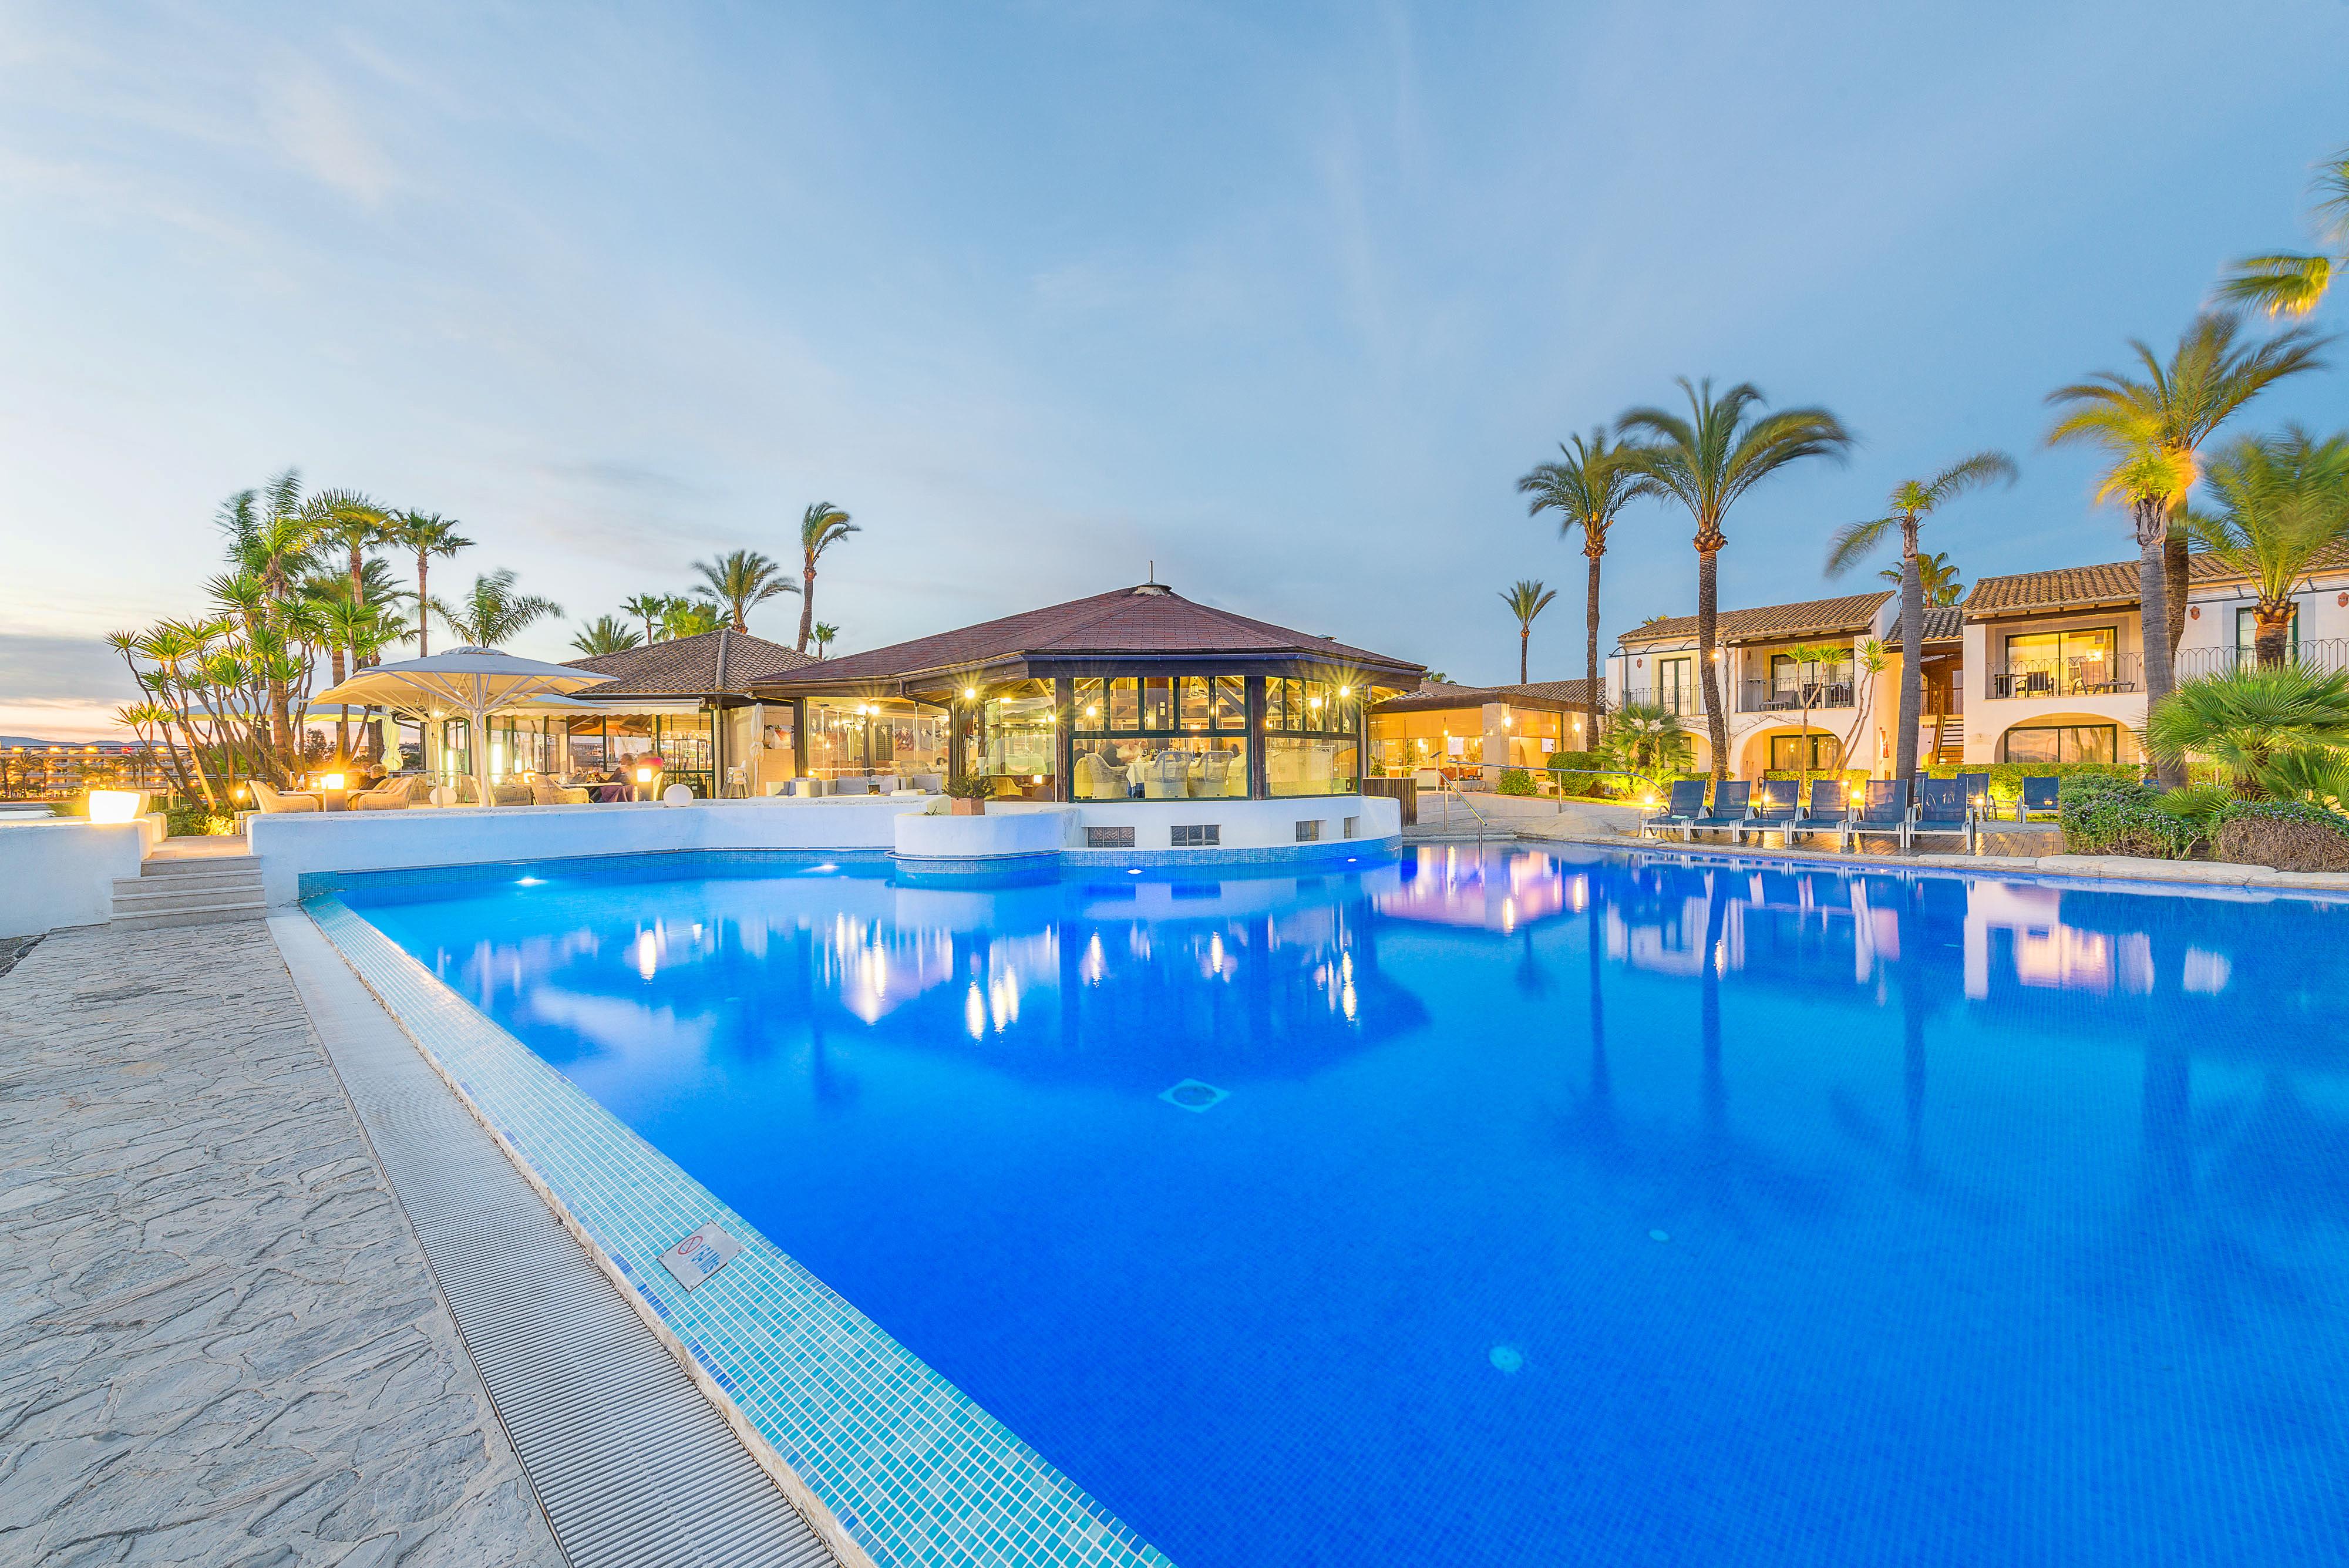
[(913, 1470)]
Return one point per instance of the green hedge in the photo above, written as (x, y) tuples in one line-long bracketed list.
[(2005, 786), (2106, 814)]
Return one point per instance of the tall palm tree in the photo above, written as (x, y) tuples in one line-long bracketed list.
[(1526, 598), (683, 616), (1586, 488), (822, 526), (648, 608), (606, 634), (742, 579), (2150, 429), (1913, 500), (1935, 574), (2283, 503), (426, 534), (1706, 462), (492, 613), (2294, 285)]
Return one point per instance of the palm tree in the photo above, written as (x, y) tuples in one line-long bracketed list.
[(607, 634), (1705, 463), (827, 634), (648, 608), (688, 618), (2283, 503), (2245, 720), (492, 613), (742, 579), (1647, 742), (1911, 502), (426, 534), (2151, 430), (1525, 599), (1937, 574), (1586, 488), (2291, 285), (822, 526)]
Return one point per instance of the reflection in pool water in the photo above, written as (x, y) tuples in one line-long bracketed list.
[(1508, 1207)]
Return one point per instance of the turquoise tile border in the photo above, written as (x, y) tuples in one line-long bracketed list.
[(916, 1473)]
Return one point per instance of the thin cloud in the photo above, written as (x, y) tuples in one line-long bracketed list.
[(315, 131)]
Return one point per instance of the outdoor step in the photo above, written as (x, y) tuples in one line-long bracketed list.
[(144, 909), (226, 881), (162, 864), (208, 916), (150, 900)]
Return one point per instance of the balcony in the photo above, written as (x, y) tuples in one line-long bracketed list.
[(1682, 700), (2106, 675), (2319, 656), (1793, 697)]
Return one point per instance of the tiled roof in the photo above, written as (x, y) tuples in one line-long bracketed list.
[(1149, 618), (1853, 612), (1943, 623), (720, 660), (1435, 695), (2113, 582)]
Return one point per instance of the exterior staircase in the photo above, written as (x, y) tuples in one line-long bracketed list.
[(188, 890)]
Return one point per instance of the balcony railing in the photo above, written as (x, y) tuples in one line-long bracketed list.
[(1792, 697), (1682, 700), (2078, 676), (2323, 657)]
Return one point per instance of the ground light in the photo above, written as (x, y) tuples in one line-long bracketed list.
[(113, 804)]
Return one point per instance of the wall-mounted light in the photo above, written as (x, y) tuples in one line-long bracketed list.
[(970, 693)]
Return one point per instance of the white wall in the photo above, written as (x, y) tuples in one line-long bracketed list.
[(295, 843), (60, 871)]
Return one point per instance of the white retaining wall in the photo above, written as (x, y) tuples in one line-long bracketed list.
[(60, 871)]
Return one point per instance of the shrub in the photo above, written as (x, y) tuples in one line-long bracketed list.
[(189, 819), (2102, 814), (2006, 778), (1515, 781), (2289, 834)]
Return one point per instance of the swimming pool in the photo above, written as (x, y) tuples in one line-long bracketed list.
[(1505, 1207)]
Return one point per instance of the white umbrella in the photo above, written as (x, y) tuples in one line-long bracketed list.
[(474, 681)]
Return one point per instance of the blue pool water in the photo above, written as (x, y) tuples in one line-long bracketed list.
[(1538, 1208)]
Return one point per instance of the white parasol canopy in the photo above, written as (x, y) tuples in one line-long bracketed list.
[(474, 681)]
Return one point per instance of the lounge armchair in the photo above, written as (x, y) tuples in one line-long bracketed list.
[(272, 799), (1830, 808), (391, 794), (1776, 803), (1942, 812), (1975, 788), (2038, 795), (1886, 810), (1167, 777), (1728, 815), (545, 792), (1685, 805)]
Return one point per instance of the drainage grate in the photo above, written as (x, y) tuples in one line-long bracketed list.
[(1196, 834), (1353, 827), (1308, 832), (632, 1465), (1191, 1095), (1109, 839)]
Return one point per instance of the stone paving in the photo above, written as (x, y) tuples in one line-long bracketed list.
[(219, 1341)]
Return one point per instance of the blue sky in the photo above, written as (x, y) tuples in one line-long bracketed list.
[(1282, 297)]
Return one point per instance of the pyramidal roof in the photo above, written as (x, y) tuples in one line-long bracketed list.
[(1146, 619)]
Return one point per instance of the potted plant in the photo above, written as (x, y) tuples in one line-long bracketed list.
[(968, 793)]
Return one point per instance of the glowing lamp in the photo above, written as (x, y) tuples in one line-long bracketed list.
[(1858, 793), (643, 776), (113, 804), (1093, 711), (1038, 778), (238, 792), (1345, 691), (330, 781), (970, 693), (1648, 801)]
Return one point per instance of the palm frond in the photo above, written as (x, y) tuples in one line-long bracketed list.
[(2279, 285), (1854, 542)]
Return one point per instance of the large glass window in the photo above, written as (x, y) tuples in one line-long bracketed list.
[(1819, 754), (1125, 704), (1018, 741), (1310, 746), (2043, 664), (2062, 743), (887, 739), (1174, 767)]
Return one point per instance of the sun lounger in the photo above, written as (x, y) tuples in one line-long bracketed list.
[(1942, 812), (1829, 808), (1885, 811), (1686, 804), (1776, 803), (2038, 795), (1728, 812)]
